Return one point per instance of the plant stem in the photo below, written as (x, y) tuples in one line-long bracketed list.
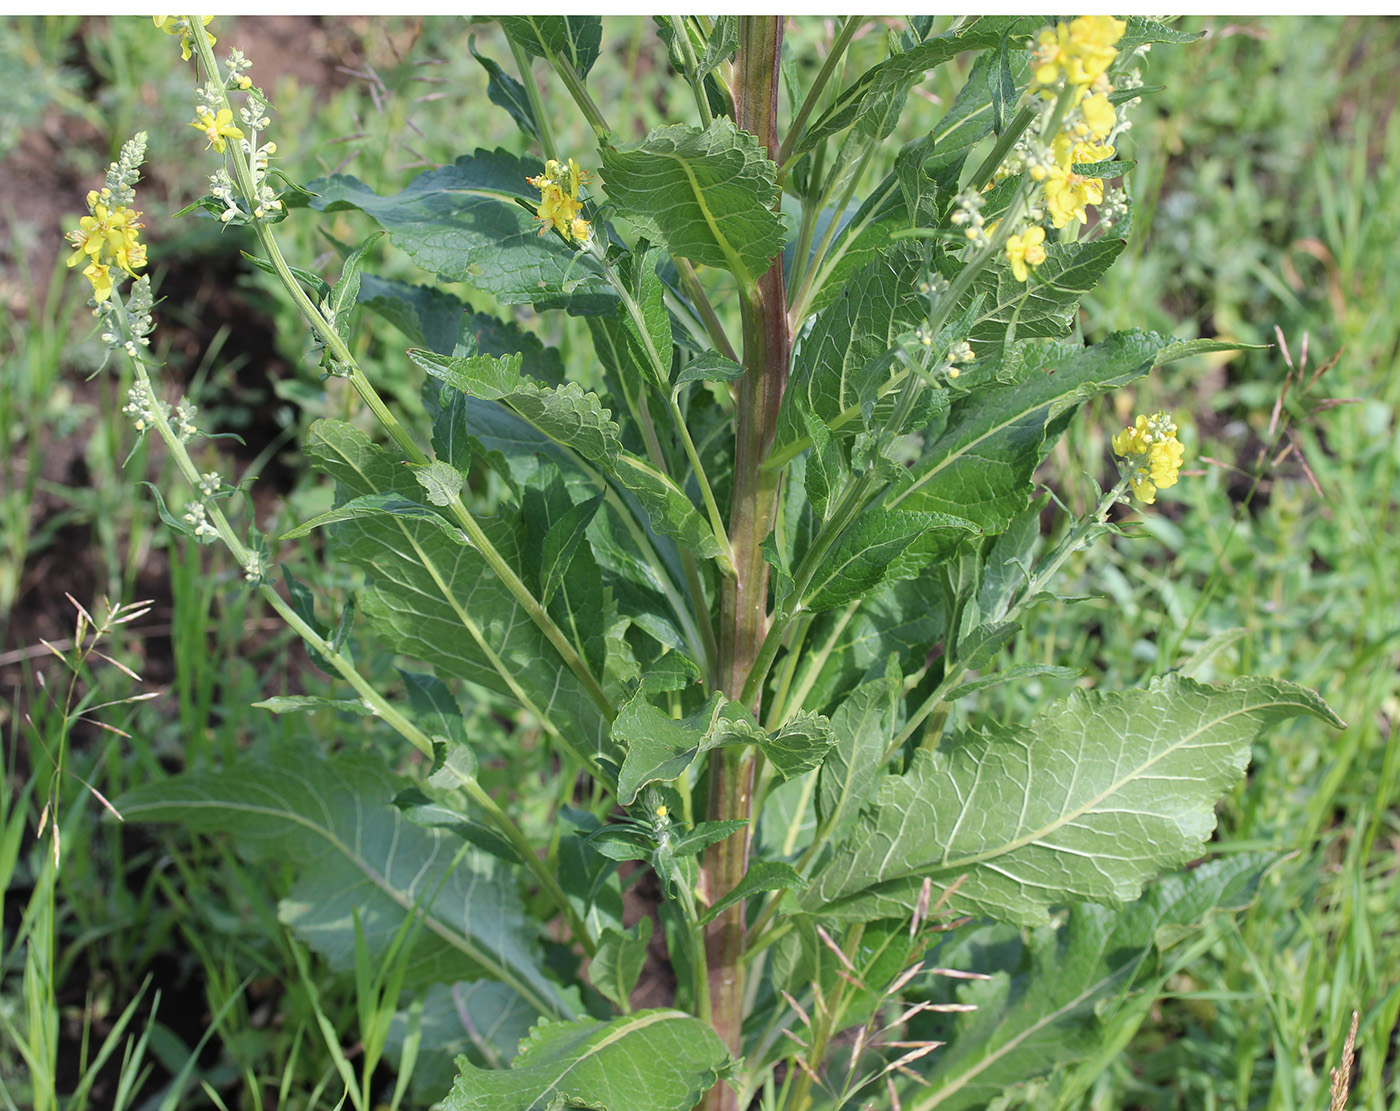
[(744, 604), (532, 92), (692, 64)]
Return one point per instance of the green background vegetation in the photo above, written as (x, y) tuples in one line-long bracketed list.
[(1268, 194)]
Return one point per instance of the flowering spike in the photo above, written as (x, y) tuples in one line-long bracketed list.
[(110, 234)]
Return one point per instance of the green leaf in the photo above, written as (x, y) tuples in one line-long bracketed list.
[(799, 745), (709, 366), (1142, 30), (315, 286), (621, 347), (842, 362), (659, 747), (1087, 802), (433, 597), (576, 419), (331, 819), (872, 102), (618, 962), (345, 295), (1003, 85), (434, 707), (902, 617), (980, 467), (574, 38), (165, 514), (661, 1060), (1007, 566), (466, 223), (441, 481), (1043, 1010), (865, 725), (1044, 307), (881, 546), (979, 647), (483, 1019), (304, 603), (1186, 348), (1013, 673), (826, 472), (694, 841), (369, 505), (561, 542), (506, 92), (562, 568), (762, 875), (708, 195), (969, 120), (429, 316)]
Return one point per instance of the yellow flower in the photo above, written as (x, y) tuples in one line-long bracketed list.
[(100, 275), (176, 25), (1099, 115), (559, 205), (218, 128), (1079, 51), (106, 236), (1068, 194), (1025, 251), (1151, 455)]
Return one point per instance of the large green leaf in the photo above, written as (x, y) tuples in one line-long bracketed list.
[(465, 223), (1040, 1008), (708, 195), (841, 362), (905, 618), (881, 546), (864, 725), (1046, 306), (484, 1019), (980, 467), (651, 1061), (432, 596), (575, 418), (1086, 802), (353, 853)]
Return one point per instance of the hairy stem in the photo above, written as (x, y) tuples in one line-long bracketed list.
[(744, 605)]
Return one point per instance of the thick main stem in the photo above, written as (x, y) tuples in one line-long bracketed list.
[(744, 604)]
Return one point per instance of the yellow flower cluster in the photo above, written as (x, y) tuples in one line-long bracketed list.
[(559, 205), (1150, 455), (105, 238), (1080, 51), (1068, 194), (217, 128), (178, 25), (1076, 54)]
